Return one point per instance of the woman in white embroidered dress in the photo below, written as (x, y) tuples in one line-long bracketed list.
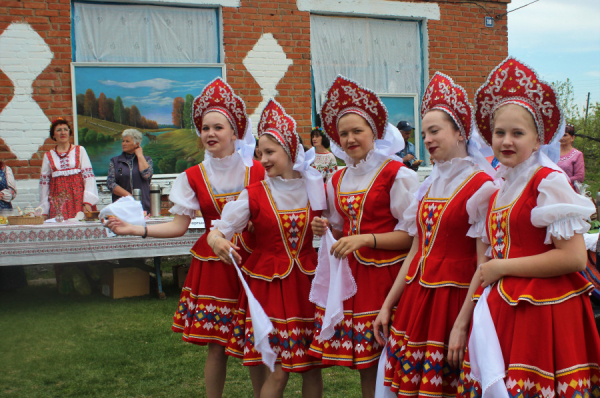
[(366, 201), (325, 161), (205, 314), (67, 179)]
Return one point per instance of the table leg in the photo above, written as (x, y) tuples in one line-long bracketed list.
[(161, 294)]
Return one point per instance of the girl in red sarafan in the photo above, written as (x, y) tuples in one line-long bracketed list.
[(539, 318), (366, 203), (280, 270), (431, 323), (205, 314)]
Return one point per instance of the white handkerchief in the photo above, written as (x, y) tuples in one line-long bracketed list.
[(260, 323), (333, 283), (126, 209), (485, 353), (382, 391)]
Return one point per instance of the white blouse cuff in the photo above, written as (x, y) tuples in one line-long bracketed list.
[(224, 227), (477, 230), (488, 252), (566, 228), (408, 221), (183, 211)]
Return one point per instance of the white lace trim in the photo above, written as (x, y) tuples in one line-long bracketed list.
[(183, 211), (63, 173), (477, 230), (566, 228)]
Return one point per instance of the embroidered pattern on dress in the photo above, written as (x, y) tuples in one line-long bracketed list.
[(351, 205), (499, 236)]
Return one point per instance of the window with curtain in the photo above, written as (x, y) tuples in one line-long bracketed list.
[(383, 55), (145, 34)]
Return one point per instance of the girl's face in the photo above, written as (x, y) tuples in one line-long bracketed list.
[(217, 135), (514, 137), (356, 136), (274, 158), (62, 133), (567, 140), (442, 139), (128, 144), (317, 140)]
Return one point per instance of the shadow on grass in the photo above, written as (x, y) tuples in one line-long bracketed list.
[(93, 346)]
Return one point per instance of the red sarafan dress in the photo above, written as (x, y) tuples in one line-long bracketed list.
[(279, 270), (447, 220), (211, 290), (364, 199), (545, 326), (69, 177)]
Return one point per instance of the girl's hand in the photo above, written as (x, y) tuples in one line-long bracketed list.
[(118, 226), (382, 325), (491, 271), (350, 244), (319, 226), (457, 345), (221, 247)]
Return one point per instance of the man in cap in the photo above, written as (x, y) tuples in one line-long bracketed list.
[(408, 154)]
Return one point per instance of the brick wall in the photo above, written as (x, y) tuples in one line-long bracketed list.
[(291, 28), (51, 19), (462, 47)]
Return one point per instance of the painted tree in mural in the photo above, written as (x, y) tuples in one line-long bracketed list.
[(102, 106), (187, 111), (177, 114), (89, 103), (135, 117), (80, 99), (119, 111)]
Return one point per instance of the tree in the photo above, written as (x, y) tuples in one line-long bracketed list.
[(80, 100), (110, 107), (187, 111), (167, 164), (135, 117), (181, 166), (177, 114), (127, 116), (102, 106), (566, 99), (119, 111), (91, 136), (89, 103)]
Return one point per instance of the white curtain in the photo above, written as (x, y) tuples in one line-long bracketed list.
[(145, 34), (383, 55)]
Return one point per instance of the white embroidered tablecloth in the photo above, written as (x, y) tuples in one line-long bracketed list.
[(82, 241)]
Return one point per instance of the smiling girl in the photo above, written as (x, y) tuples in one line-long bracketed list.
[(211, 289), (366, 201), (437, 280), (543, 321), (281, 267)]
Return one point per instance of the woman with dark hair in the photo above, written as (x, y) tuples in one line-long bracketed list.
[(571, 160), (8, 188), (325, 162), (67, 178)]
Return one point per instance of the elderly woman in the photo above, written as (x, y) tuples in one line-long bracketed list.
[(8, 188), (67, 179), (131, 169)]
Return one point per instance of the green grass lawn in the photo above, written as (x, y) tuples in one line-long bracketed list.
[(71, 346)]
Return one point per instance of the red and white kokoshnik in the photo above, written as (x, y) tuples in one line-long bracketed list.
[(445, 95), (218, 96), (513, 82), (346, 96), (275, 122)]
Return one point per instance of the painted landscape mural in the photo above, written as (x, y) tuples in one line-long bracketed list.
[(154, 100)]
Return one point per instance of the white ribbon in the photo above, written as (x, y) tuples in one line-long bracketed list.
[(332, 285), (260, 322), (382, 391), (315, 188), (245, 147), (485, 353)]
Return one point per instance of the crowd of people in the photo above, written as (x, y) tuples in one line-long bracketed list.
[(464, 285)]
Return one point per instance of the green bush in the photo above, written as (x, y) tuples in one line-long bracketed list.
[(181, 166)]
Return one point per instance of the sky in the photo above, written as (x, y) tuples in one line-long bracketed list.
[(560, 39)]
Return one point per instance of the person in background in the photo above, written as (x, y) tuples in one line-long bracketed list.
[(571, 160), (67, 173), (408, 154), (8, 187), (325, 162), (131, 169)]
